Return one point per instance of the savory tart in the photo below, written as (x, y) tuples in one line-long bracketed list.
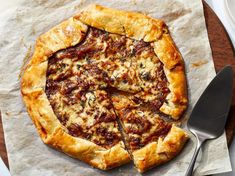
[(99, 84)]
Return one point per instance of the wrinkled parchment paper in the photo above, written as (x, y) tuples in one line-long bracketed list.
[(19, 28)]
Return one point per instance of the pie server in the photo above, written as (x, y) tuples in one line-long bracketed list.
[(209, 115)]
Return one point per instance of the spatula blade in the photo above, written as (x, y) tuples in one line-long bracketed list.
[(210, 112)]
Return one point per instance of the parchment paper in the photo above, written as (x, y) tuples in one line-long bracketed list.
[(19, 28)]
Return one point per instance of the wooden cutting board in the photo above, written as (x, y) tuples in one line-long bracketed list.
[(223, 54)]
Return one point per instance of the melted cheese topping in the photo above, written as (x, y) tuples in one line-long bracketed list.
[(85, 82)]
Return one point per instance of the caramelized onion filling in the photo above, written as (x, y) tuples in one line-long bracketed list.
[(80, 78)]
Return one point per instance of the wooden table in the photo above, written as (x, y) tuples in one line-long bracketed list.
[(3, 152), (223, 54)]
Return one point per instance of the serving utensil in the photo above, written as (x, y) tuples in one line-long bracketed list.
[(209, 115)]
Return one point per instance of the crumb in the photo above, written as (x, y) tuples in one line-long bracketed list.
[(199, 63)]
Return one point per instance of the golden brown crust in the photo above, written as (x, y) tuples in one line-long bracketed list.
[(70, 33), (130, 24), (167, 52), (66, 34), (157, 153), (87, 151)]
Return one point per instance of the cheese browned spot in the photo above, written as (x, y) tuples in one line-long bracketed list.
[(79, 80)]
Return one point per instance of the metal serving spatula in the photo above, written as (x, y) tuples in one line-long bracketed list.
[(209, 115)]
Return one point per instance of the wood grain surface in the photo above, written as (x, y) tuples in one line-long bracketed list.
[(3, 152), (223, 54)]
